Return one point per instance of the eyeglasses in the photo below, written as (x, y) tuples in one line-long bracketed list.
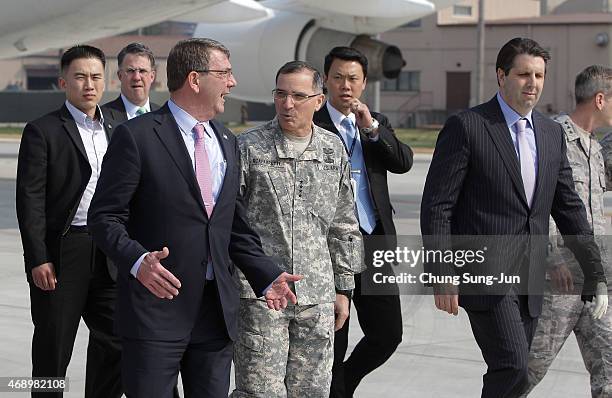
[(223, 74), (131, 71), (296, 97)]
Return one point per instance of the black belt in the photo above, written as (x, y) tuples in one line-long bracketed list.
[(78, 229)]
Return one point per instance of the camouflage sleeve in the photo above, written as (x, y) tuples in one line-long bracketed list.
[(555, 245), (244, 166), (344, 239), (606, 144)]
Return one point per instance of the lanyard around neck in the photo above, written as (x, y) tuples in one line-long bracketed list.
[(350, 151)]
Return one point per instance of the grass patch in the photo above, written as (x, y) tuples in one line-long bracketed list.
[(10, 132), (416, 138)]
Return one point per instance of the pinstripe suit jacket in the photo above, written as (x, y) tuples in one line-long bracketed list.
[(474, 187)]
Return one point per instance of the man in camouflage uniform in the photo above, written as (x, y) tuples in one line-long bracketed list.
[(563, 310), (295, 178)]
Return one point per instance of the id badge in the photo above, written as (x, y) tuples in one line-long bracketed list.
[(354, 175)]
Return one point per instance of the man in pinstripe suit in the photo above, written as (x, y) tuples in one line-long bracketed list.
[(500, 169)]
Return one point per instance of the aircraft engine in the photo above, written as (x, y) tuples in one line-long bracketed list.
[(260, 47)]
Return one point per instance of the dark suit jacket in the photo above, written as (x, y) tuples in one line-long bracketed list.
[(115, 110), (52, 174), (147, 198), (386, 154), (474, 187)]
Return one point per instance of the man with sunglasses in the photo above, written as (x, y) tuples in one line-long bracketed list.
[(295, 179), (136, 72)]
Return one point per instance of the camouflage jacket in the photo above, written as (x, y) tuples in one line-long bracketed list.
[(606, 151), (590, 182), (302, 207)]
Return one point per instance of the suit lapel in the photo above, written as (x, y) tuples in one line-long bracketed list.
[(72, 130), (119, 116), (323, 120), (541, 151), (109, 124), (117, 107), (114, 115), (170, 136), (498, 130), (366, 148)]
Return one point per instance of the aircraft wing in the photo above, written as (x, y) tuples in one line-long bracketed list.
[(361, 17), (31, 26)]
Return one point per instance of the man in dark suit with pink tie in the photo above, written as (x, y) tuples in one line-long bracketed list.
[(168, 212)]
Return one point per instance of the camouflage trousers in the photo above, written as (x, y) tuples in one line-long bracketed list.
[(287, 353), (561, 315)]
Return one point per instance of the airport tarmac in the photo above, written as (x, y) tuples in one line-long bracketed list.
[(437, 358)]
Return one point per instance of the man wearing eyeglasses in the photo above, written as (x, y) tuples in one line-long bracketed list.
[(169, 213), (295, 178), (136, 71), (373, 150)]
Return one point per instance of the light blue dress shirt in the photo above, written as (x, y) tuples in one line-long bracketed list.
[(365, 206), (511, 117)]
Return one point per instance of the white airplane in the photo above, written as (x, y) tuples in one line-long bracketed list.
[(261, 35)]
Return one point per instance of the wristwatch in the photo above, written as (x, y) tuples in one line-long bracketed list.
[(347, 293), (370, 130)]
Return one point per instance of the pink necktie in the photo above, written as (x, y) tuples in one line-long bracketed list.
[(526, 158), (202, 169)]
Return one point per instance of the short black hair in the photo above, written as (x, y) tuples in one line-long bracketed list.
[(346, 54), (298, 66), (137, 49), (516, 47), (81, 51)]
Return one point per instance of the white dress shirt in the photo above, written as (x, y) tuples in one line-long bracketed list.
[(95, 142), (131, 109)]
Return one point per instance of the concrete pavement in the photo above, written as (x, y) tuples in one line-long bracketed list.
[(437, 358)]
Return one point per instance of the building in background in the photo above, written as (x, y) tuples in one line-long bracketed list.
[(440, 52)]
